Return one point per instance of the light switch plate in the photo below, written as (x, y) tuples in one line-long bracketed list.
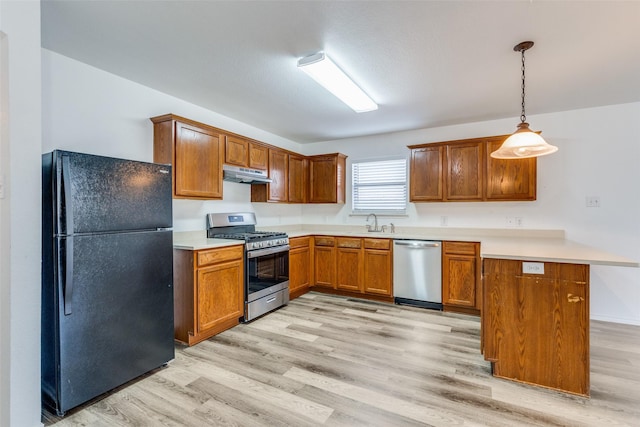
[(533, 267)]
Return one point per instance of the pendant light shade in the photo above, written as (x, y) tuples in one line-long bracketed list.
[(523, 142)]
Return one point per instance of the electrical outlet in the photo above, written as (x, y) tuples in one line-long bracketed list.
[(533, 267), (514, 221), (593, 201), (444, 221)]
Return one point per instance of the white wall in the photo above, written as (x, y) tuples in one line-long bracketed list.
[(20, 149), (599, 156)]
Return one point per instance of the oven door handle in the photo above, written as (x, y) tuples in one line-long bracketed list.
[(267, 251)]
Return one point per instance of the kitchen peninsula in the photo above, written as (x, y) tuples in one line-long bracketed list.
[(535, 295)]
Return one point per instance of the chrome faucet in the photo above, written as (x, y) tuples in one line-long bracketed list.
[(375, 222)]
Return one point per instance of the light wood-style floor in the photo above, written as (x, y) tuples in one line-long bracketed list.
[(333, 361)]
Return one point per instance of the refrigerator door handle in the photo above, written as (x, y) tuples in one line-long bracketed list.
[(67, 286), (68, 200)]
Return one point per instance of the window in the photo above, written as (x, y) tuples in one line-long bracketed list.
[(379, 186)]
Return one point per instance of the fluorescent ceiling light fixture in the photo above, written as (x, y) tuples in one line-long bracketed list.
[(328, 75)]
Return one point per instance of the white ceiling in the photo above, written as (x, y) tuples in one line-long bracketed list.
[(426, 63)]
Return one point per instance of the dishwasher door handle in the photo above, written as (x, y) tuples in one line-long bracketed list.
[(418, 244)]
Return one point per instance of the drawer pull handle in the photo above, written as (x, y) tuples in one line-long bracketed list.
[(270, 300)]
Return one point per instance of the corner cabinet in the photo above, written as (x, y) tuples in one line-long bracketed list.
[(327, 177), (278, 189), (461, 277), (196, 153), (208, 292), (535, 327), (463, 171)]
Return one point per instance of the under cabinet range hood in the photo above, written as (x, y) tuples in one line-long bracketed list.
[(245, 175)]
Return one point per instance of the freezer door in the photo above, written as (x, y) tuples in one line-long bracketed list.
[(115, 314), (94, 194)]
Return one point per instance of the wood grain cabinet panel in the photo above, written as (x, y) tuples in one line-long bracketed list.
[(327, 177), (298, 179), (463, 170), (354, 266), (378, 271), (426, 177), (258, 156), (464, 173), (535, 327), (300, 266), (324, 266), (278, 189), (219, 297), (510, 179), (208, 292), (195, 151), (461, 278), (236, 151)]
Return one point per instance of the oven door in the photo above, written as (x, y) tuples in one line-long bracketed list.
[(267, 272)]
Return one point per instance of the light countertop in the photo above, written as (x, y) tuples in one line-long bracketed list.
[(522, 244)]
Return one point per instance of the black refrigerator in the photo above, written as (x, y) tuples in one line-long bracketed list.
[(107, 274)]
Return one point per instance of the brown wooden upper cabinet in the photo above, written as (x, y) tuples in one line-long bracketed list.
[(463, 170), (195, 151), (258, 156), (236, 151), (241, 152), (327, 176), (278, 189), (298, 179), (512, 179)]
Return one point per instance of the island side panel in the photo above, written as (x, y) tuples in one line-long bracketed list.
[(535, 327)]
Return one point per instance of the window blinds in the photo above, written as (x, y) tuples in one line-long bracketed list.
[(379, 186)]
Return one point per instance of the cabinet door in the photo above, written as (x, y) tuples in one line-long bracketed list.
[(464, 177), (279, 173), (536, 327), (327, 179), (198, 162), (349, 266), (258, 156), (298, 179), (219, 294), (378, 272), (512, 179), (324, 266), (425, 176), (236, 151), (299, 269), (459, 280)]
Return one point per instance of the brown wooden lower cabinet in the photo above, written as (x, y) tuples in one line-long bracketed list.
[(461, 278), (300, 266), (324, 262), (208, 292), (535, 327), (354, 266)]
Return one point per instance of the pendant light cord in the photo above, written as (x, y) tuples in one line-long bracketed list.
[(523, 117)]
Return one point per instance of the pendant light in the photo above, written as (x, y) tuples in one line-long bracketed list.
[(523, 142)]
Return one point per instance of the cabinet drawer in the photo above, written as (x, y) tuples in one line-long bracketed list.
[(299, 242), (377, 244), (349, 242), (212, 256), (325, 241), (462, 248)]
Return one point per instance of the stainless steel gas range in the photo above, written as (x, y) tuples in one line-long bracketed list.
[(266, 260)]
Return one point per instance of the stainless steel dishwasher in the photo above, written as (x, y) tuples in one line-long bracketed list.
[(417, 273)]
